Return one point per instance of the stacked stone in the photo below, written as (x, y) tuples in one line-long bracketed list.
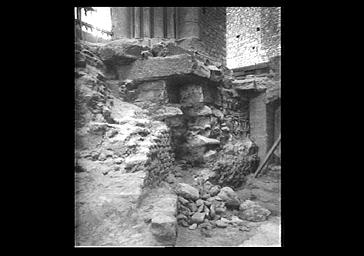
[(236, 113), (160, 158), (91, 89), (203, 119), (234, 162), (207, 207), (199, 208), (86, 55)]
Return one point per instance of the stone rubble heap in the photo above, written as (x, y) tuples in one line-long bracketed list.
[(234, 162), (210, 206)]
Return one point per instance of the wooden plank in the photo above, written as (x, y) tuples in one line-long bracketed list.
[(268, 156)]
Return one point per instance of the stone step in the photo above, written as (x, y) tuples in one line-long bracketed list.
[(160, 208)]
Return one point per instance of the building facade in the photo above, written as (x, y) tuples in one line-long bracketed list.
[(198, 28)]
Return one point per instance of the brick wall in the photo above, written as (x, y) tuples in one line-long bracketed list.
[(212, 32), (253, 35)]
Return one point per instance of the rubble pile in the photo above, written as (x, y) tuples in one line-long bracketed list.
[(234, 162), (211, 206)]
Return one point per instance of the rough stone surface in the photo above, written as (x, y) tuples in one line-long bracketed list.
[(255, 214), (221, 224), (193, 226), (187, 191), (198, 217), (122, 51), (247, 204), (229, 196), (161, 67), (234, 162), (164, 229)]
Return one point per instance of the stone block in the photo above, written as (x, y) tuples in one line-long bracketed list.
[(200, 141), (198, 110), (191, 94), (229, 196), (164, 229), (198, 217), (120, 52), (154, 91), (187, 191)]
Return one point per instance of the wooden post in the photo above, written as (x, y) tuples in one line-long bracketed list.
[(268, 156)]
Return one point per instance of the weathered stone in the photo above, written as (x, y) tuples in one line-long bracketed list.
[(199, 141), (102, 157), (229, 196), (198, 110), (153, 91), (211, 154), (198, 217), (221, 224), (193, 226), (212, 211), (220, 210), (215, 190), (136, 159), (120, 52), (161, 67), (217, 113), (206, 225), (181, 217), (247, 204), (191, 94), (236, 220), (164, 228), (192, 207), (164, 112), (205, 196), (183, 223), (199, 202), (207, 203), (187, 191), (182, 200), (256, 214)]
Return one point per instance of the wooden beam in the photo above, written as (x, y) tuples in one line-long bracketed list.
[(268, 156)]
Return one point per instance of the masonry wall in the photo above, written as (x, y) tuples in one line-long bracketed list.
[(259, 123), (213, 32), (253, 35)]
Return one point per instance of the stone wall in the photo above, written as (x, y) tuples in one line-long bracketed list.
[(160, 158), (253, 35), (213, 30), (258, 123)]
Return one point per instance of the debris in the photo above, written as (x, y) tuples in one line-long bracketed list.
[(193, 226)]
